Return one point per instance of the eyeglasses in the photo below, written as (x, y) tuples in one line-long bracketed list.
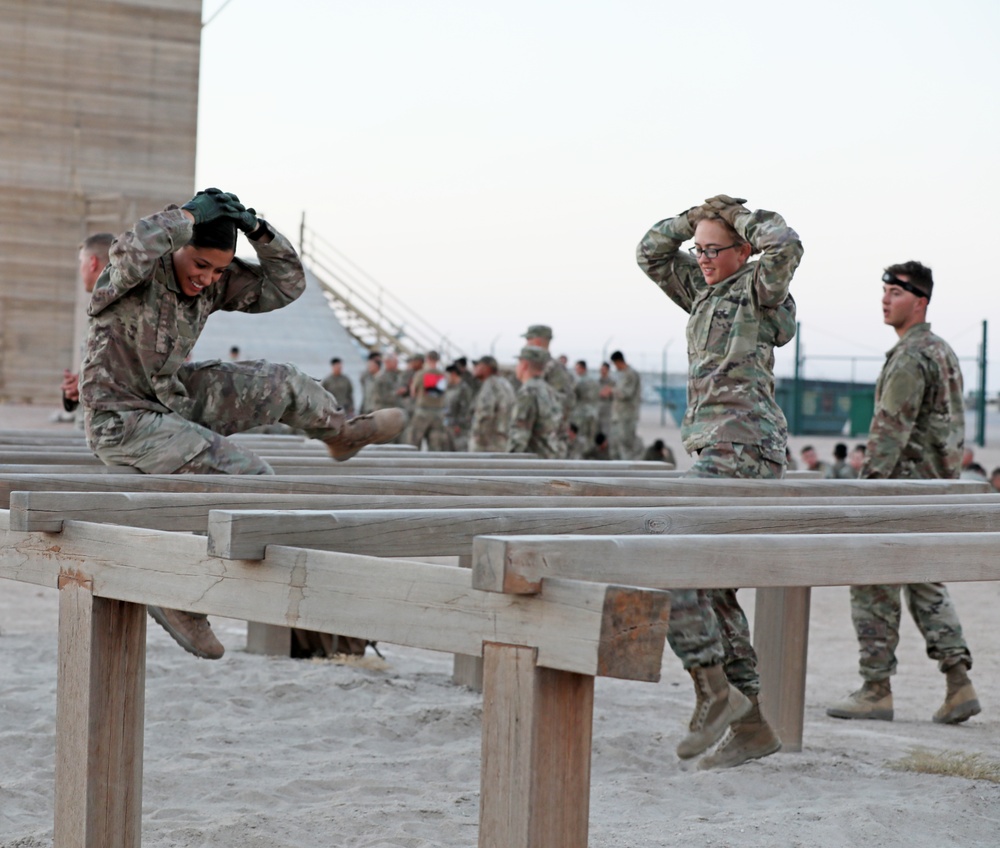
[(710, 252)]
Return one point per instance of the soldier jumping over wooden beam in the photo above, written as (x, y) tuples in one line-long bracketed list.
[(146, 406)]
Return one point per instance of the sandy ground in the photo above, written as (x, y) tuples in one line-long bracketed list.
[(253, 751)]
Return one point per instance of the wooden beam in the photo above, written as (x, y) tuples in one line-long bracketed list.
[(519, 563), (537, 726), (99, 718), (408, 603), (433, 532), (479, 486), (188, 511)]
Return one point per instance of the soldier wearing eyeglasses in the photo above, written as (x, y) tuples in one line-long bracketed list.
[(917, 432), (739, 312)]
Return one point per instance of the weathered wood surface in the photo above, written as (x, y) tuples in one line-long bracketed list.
[(519, 563), (188, 511), (99, 718), (508, 486), (407, 603), (395, 532), (537, 726)]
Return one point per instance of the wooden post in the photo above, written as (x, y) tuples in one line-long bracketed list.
[(271, 640), (781, 639), (537, 724), (466, 670), (100, 698)]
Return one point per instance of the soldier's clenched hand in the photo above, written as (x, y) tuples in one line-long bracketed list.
[(726, 207), (212, 203)]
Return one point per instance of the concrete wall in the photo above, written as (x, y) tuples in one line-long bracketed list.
[(98, 122)]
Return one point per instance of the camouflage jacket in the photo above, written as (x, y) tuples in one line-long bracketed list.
[(732, 332), (535, 420), (143, 327), (458, 406), (491, 415), (918, 430), (384, 389), (427, 389), (559, 378), (339, 385), (627, 395), (588, 397)]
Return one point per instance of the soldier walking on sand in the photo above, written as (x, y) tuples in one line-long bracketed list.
[(917, 433)]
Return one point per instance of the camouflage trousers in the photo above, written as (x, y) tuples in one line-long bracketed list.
[(222, 398), (427, 424), (708, 627), (625, 443), (876, 612), (586, 429), (488, 442)]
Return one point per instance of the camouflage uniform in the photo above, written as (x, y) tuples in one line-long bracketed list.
[(340, 386), (604, 407), (428, 411), (367, 381), (917, 433), (733, 421), (535, 420), (625, 414), (145, 406), (561, 382), (840, 470), (385, 387), (585, 413), (458, 414), (491, 415)]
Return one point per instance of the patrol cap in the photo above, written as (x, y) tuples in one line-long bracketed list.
[(538, 331), (536, 355), (488, 361), (416, 357)]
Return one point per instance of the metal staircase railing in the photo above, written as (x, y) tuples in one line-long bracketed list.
[(367, 310)]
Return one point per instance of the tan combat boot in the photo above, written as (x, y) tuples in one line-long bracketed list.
[(873, 700), (371, 429), (749, 738), (190, 630), (960, 701), (718, 704)]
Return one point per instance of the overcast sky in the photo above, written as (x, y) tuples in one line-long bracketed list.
[(494, 165)]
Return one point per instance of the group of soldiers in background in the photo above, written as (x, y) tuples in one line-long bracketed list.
[(539, 407)]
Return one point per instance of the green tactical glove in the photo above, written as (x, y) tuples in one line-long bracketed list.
[(210, 204), (726, 207), (246, 220)]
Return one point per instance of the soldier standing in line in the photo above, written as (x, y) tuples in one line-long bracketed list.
[(604, 408), (414, 363), (367, 380), (739, 311), (538, 411), (385, 388), (492, 408), (586, 409), (840, 470), (462, 364), (626, 398), (427, 388), (147, 407), (93, 258), (457, 409), (558, 377), (338, 384), (917, 433)]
